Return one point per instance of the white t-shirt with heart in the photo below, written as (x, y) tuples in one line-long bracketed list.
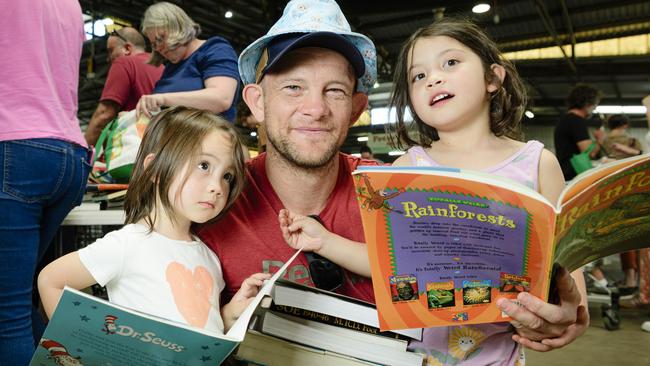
[(148, 272)]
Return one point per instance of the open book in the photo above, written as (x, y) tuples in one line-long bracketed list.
[(85, 330), (445, 244)]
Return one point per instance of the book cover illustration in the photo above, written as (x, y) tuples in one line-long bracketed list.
[(440, 248), (89, 331)]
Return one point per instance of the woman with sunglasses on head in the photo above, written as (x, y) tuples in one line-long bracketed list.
[(198, 73)]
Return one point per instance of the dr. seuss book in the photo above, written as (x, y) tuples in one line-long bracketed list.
[(445, 244), (88, 331)]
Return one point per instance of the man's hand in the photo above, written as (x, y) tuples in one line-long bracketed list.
[(542, 326), (149, 104)]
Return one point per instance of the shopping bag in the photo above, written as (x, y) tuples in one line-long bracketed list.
[(582, 162), (117, 148)]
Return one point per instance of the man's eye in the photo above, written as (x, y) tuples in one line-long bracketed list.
[(204, 165)]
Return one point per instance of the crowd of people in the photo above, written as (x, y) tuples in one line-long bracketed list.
[(194, 202)]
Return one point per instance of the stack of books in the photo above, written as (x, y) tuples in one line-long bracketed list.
[(304, 323), (101, 196)]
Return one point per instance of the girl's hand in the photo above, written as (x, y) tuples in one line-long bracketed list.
[(149, 104), (302, 232), (240, 301)]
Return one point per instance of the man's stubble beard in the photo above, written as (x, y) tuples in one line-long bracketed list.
[(289, 154)]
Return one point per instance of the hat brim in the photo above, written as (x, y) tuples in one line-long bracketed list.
[(249, 58)]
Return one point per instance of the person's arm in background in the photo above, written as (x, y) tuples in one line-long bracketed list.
[(105, 112), (216, 97)]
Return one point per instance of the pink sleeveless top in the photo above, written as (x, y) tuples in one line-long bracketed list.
[(483, 344)]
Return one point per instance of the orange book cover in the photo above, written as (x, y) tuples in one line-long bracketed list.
[(445, 244)]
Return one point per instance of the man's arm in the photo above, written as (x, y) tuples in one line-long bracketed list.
[(104, 113)]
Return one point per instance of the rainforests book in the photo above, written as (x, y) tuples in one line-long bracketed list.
[(86, 330), (445, 244)]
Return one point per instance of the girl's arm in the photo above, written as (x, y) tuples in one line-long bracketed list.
[(247, 292), (65, 271), (539, 325), (216, 97), (306, 233)]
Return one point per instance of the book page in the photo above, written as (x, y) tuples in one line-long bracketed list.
[(609, 216), (443, 249)]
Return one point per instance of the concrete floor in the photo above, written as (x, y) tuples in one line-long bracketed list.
[(626, 346)]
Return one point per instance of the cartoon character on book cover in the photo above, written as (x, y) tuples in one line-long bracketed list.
[(374, 199), (403, 288), (59, 354)]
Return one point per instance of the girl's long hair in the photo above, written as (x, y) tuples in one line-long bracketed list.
[(174, 137), (507, 103)]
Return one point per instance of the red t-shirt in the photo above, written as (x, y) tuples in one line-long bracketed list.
[(248, 240), (129, 78)]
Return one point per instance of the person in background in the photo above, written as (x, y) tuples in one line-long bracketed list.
[(44, 159), (366, 153), (129, 78), (571, 133), (189, 169), (308, 82), (618, 144), (198, 73)]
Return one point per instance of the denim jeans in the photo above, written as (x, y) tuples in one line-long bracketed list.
[(41, 180)]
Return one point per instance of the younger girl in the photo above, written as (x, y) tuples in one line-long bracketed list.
[(189, 169), (467, 103)]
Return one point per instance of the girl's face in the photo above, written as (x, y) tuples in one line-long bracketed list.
[(159, 42), (447, 86), (205, 192)]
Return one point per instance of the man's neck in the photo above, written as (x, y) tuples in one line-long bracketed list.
[(303, 191), (580, 112)]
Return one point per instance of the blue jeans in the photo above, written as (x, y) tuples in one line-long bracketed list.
[(41, 180)]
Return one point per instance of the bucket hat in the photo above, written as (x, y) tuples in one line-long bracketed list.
[(319, 17)]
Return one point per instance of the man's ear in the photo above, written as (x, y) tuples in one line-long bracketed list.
[(254, 98), (128, 48), (500, 72), (359, 104)]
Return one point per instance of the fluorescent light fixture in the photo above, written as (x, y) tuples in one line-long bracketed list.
[(228, 14), (356, 155), (381, 115), (396, 153), (376, 85), (98, 28), (620, 109), (529, 114), (362, 138), (107, 21), (253, 133), (481, 8)]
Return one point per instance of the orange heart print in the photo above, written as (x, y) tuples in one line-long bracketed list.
[(192, 292)]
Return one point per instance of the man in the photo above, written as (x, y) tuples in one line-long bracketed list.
[(307, 102), (571, 133), (129, 77)]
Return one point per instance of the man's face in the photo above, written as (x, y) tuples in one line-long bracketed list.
[(309, 102), (116, 48)]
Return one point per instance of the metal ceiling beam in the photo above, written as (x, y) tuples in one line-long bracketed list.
[(550, 28)]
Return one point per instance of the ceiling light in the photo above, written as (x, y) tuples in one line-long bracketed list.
[(253, 133), (529, 114), (620, 109), (396, 153), (362, 138), (376, 85), (481, 8), (228, 14)]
